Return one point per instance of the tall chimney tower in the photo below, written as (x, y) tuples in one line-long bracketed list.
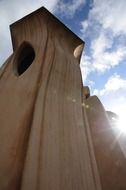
[(49, 123)]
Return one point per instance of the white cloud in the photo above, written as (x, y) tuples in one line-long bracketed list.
[(106, 60), (110, 14), (69, 9), (106, 28), (113, 95), (85, 25), (100, 44), (102, 56), (114, 83)]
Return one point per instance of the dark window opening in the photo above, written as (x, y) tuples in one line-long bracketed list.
[(25, 57)]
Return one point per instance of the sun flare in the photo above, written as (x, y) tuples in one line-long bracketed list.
[(121, 123), (118, 120)]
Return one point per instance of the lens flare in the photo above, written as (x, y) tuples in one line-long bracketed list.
[(121, 123)]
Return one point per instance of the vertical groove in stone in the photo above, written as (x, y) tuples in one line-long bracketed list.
[(90, 145)]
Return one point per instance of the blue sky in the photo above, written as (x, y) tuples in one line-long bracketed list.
[(101, 24)]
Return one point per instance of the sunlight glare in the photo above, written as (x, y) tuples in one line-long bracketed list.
[(119, 120), (121, 123)]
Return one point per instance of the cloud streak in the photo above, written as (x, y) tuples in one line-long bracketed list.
[(113, 94), (105, 28), (70, 8)]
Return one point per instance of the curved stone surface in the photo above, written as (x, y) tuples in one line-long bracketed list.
[(43, 142)]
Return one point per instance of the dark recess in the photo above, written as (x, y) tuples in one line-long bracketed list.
[(25, 58)]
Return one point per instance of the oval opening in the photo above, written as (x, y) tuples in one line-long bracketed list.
[(24, 58)]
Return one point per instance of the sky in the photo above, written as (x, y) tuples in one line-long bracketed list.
[(101, 24)]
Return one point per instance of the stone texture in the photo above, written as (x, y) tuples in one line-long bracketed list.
[(43, 142)]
